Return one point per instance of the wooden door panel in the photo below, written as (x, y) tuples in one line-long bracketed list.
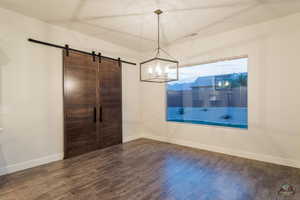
[(80, 84), (112, 137), (80, 104), (112, 131), (111, 102), (81, 124), (112, 99), (111, 117)]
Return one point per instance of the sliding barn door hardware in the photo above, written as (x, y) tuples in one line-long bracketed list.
[(67, 48), (94, 56), (99, 55), (119, 62)]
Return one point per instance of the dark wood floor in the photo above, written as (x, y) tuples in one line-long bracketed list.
[(146, 170)]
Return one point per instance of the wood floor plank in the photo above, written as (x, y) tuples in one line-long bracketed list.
[(149, 170)]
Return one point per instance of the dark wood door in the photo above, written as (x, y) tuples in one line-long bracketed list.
[(80, 104), (110, 91)]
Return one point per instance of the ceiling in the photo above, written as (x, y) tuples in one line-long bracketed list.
[(132, 23)]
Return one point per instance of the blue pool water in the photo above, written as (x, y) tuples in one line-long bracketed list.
[(220, 116)]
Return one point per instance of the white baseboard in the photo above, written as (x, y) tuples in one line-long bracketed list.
[(248, 155), (130, 138), (265, 158), (40, 161), (29, 164)]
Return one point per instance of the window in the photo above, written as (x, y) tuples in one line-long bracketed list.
[(212, 94)]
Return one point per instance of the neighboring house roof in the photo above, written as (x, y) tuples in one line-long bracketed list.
[(180, 86), (204, 81)]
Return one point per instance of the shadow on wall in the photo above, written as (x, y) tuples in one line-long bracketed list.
[(4, 60)]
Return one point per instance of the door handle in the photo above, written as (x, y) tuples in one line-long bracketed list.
[(100, 115), (95, 114)]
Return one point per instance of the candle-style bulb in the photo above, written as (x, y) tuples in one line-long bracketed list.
[(158, 70)]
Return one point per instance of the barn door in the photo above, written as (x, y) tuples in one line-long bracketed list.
[(110, 100), (80, 104)]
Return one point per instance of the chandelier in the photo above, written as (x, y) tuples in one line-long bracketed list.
[(159, 69)]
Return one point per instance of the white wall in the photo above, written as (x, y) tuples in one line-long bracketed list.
[(31, 90), (274, 99)]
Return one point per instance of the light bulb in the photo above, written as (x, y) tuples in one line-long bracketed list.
[(158, 70), (227, 83), (220, 84), (150, 70), (167, 70)]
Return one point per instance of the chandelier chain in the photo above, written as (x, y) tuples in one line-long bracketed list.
[(158, 31)]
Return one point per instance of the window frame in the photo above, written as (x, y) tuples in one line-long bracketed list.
[(203, 63)]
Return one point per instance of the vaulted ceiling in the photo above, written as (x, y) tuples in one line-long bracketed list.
[(132, 23)]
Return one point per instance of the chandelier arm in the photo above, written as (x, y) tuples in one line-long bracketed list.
[(167, 53), (157, 53)]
